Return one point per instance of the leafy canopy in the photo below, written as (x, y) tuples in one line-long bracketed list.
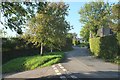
[(95, 15), (49, 26)]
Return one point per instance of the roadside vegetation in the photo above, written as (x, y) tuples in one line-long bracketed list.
[(41, 29), (32, 62), (96, 17)]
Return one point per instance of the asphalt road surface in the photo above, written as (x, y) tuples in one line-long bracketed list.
[(78, 65), (82, 65)]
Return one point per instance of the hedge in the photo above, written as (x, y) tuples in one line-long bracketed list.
[(118, 39), (95, 46), (105, 47), (68, 45), (16, 47)]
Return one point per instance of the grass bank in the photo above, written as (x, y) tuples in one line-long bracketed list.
[(32, 62)]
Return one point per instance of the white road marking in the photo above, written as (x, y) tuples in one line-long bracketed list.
[(53, 66), (64, 69), (56, 70), (62, 77), (58, 73), (86, 73), (74, 77), (59, 65)]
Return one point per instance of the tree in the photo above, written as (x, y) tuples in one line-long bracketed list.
[(2, 33), (74, 40), (69, 35), (95, 15), (48, 27), (16, 14), (115, 18), (84, 33)]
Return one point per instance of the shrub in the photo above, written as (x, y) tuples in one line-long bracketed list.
[(105, 47), (15, 47), (118, 39), (68, 45), (95, 46), (9, 44), (84, 44)]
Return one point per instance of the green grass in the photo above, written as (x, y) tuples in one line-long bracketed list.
[(32, 62)]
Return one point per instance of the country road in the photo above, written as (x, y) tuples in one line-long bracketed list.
[(77, 65), (82, 65)]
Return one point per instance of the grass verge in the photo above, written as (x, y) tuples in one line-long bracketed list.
[(32, 62)]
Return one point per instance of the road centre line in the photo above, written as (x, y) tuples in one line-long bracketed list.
[(63, 77), (58, 73), (72, 76)]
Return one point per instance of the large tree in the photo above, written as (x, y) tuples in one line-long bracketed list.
[(16, 14), (95, 15), (48, 27), (115, 18)]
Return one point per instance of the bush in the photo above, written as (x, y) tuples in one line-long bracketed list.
[(105, 47), (84, 44), (118, 39), (15, 47), (68, 45), (95, 46), (9, 44)]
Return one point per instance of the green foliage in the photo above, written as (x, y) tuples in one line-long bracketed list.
[(95, 45), (28, 63), (84, 44), (117, 60), (114, 24), (118, 39), (48, 27), (74, 42), (95, 15), (104, 47), (16, 14), (69, 35), (16, 47), (84, 33), (68, 45), (14, 44)]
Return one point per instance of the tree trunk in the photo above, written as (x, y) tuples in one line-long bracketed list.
[(41, 50), (51, 50)]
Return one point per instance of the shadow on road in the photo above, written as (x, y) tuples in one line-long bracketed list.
[(90, 76)]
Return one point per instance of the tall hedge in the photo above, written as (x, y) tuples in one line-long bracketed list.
[(95, 45), (68, 45), (105, 47), (118, 39)]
